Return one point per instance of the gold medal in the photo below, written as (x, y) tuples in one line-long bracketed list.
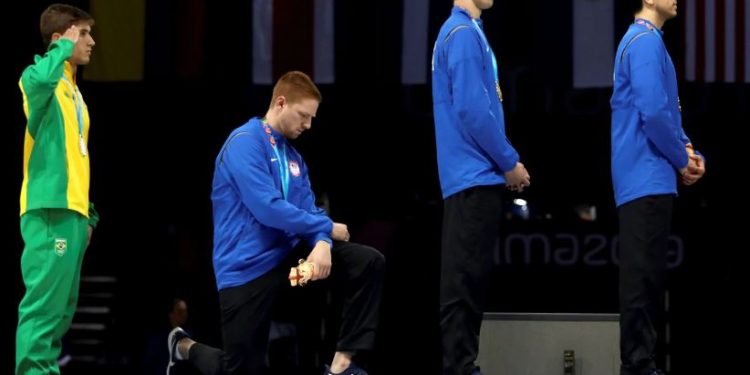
[(499, 92)]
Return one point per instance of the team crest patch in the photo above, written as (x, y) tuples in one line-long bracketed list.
[(61, 246), (294, 168)]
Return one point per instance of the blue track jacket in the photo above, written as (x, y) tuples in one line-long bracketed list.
[(255, 226), (472, 149), (648, 142)]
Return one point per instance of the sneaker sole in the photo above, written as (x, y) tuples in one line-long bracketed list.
[(171, 347)]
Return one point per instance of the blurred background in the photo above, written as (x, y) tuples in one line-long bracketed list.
[(170, 79)]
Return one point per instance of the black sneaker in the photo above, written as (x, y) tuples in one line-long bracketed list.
[(351, 370), (174, 337)]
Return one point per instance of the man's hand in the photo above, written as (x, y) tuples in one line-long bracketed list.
[(518, 178), (694, 170), (320, 256), (340, 232), (72, 34)]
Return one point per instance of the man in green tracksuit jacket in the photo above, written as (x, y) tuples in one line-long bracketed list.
[(57, 218)]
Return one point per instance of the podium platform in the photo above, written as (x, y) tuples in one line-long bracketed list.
[(535, 343)]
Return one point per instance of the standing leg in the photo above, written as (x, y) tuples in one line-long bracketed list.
[(55, 240), (470, 229), (644, 232)]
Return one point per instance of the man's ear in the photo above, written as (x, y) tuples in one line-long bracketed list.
[(55, 37), (281, 101)]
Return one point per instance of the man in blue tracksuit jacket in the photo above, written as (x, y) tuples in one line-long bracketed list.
[(650, 152), (265, 219), (475, 159)]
